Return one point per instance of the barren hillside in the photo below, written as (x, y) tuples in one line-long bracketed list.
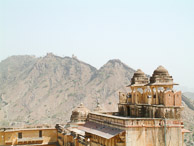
[(45, 90)]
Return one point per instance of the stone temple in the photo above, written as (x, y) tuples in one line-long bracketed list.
[(149, 114)]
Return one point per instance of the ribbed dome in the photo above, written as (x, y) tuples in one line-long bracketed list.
[(161, 76), (79, 114), (139, 78), (139, 72), (161, 70)]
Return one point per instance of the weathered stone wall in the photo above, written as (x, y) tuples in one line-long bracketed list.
[(178, 98), (48, 135), (153, 137), (169, 98), (150, 111), (172, 99)]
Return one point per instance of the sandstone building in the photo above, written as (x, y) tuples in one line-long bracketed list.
[(38, 136), (148, 115)]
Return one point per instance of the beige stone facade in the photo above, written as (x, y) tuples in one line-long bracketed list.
[(154, 99), (28, 136)]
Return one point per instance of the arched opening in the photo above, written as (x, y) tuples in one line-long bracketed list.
[(128, 111)]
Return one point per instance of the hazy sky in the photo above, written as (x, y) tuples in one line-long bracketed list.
[(142, 34)]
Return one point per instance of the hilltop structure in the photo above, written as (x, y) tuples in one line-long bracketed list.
[(148, 115)]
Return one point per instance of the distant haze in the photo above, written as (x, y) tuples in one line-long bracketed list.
[(142, 34)]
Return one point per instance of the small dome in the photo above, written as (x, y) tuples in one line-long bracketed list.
[(139, 72), (79, 114), (139, 78), (161, 76), (161, 70)]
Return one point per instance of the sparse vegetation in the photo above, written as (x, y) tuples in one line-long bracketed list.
[(72, 94), (45, 86), (60, 91), (54, 116)]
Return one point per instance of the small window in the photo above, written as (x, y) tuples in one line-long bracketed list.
[(20, 135), (40, 133)]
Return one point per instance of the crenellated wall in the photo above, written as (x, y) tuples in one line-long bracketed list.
[(166, 98)]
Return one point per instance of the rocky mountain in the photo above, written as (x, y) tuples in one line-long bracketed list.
[(46, 89)]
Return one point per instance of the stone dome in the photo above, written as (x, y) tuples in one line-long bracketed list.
[(79, 114), (161, 70), (161, 76), (139, 72), (139, 78)]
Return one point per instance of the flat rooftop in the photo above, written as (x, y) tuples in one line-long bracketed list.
[(24, 129), (121, 117)]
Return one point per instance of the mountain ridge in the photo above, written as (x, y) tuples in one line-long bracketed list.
[(37, 82)]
